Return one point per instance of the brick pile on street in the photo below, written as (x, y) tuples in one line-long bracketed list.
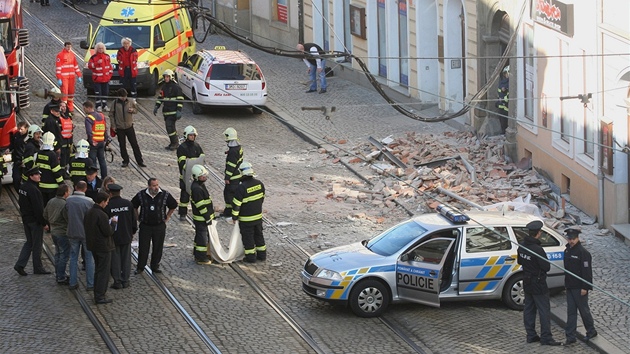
[(472, 167)]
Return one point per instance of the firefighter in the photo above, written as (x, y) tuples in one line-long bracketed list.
[(33, 145), (173, 99), (203, 214), (18, 143), (80, 163), (503, 98), (97, 135), (66, 70), (247, 209), (101, 67), (48, 163), (189, 149), (55, 100), (232, 175)]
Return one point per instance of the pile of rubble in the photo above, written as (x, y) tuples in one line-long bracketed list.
[(420, 171)]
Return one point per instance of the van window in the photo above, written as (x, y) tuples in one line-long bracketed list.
[(234, 72), (546, 240), (483, 239), (111, 36), (168, 32), (157, 34)]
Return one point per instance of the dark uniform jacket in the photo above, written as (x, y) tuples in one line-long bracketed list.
[(172, 97), (93, 191), (46, 112), (98, 231), (202, 207), (153, 209), (232, 162), (78, 168), (248, 200), (32, 147), (53, 125), (127, 223), (31, 203), (577, 260), (48, 163), (187, 150), (534, 269), (18, 144)]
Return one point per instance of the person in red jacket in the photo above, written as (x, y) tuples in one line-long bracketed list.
[(127, 58), (101, 67), (66, 70)]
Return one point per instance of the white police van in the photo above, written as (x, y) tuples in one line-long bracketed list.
[(223, 78), (445, 256)]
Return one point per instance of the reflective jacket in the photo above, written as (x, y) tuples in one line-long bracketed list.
[(202, 207), (95, 127), (30, 150), (187, 150), (78, 168), (503, 94), (232, 162), (127, 59), (48, 163), (18, 143), (101, 67), (248, 200), (172, 97), (66, 127), (66, 65)]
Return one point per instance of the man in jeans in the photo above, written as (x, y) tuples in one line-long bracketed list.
[(56, 214), (78, 204)]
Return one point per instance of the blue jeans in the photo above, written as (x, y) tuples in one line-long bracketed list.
[(97, 154), (322, 77), (75, 245), (62, 247)]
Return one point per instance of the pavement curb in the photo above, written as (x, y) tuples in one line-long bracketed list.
[(599, 343)]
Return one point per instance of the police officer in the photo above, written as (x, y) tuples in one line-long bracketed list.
[(94, 183), (53, 124), (173, 100), (232, 175), (189, 149), (156, 207), (577, 260), (32, 211), (127, 227), (533, 259), (247, 209), (55, 100), (48, 162), (203, 214), (80, 163)]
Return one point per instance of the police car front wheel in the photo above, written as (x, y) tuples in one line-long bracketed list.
[(369, 298)]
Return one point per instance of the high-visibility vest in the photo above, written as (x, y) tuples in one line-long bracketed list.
[(98, 129), (66, 127)]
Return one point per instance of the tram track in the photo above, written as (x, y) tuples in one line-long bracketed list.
[(269, 298)]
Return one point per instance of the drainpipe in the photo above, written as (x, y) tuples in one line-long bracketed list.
[(600, 199), (300, 21)]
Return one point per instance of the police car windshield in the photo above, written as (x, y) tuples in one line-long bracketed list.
[(392, 240), (111, 36)]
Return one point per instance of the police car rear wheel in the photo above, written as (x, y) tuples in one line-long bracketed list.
[(513, 293), (369, 298)]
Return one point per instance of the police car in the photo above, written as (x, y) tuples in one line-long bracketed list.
[(434, 257), (224, 78)]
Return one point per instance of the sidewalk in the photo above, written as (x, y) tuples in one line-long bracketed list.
[(361, 112)]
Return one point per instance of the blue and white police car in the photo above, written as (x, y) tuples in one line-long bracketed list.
[(444, 256)]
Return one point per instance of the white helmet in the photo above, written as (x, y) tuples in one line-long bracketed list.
[(190, 130), (506, 69), (55, 90), (34, 129), (198, 171), (83, 147), (48, 139), (169, 72), (246, 169), (230, 134)]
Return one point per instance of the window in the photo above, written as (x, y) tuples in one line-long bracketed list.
[(111, 36), (546, 239), (431, 251), (403, 42), (6, 36), (168, 31), (234, 72), (382, 39), (5, 99), (530, 74), (392, 240), (280, 11), (483, 239), (565, 114), (587, 120)]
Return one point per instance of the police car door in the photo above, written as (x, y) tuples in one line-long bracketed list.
[(418, 271)]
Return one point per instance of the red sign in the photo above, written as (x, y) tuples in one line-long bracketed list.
[(282, 13)]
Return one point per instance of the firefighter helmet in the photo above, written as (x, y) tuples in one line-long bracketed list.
[(246, 169), (198, 171), (506, 69), (55, 90), (169, 72), (83, 146), (190, 130), (34, 129), (48, 139), (230, 134)]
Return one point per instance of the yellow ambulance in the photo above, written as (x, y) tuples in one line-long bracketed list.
[(160, 30)]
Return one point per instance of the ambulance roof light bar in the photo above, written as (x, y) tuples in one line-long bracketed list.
[(452, 215)]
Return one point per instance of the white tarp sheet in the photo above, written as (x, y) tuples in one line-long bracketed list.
[(234, 250)]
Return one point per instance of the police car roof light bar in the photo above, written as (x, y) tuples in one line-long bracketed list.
[(452, 215)]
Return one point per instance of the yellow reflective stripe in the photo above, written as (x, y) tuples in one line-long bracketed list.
[(56, 168), (237, 202), (261, 248), (252, 251), (48, 185), (184, 205), (250, 218), (201, 248), (203, 211), (253, 197), (181, 158), (198, 218), (59, 179), (231, 164), (235, 177), (204, 202)]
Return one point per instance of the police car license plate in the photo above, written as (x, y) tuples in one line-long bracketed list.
[(236, 86), (114, 82)]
